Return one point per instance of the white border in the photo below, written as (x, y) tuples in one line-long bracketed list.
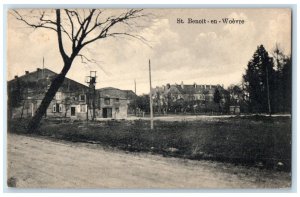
[(147, 3)]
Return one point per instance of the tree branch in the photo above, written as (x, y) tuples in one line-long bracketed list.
[(42, 23), (85, 60), (112, 21), (60, 43), (84, 26), (72, 28), (138, 37), (35, 26), (79, 25)]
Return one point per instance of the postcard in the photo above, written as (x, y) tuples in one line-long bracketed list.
[(149, 98)]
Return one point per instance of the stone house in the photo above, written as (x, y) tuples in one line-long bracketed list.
[(113, 103), (69, 101)]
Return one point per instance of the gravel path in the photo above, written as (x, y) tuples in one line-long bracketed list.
[(42, 163)]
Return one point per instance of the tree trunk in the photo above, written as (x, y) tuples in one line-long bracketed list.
[(55, 85)]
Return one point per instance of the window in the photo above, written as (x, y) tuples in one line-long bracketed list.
[(117, 100), (58, 96), (83, 108), (117, 110), (107, 101), (202, 97), (81, 97), (73, 111), (57, 108), (60, 108)]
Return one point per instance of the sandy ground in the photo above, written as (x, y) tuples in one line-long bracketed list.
[(42, 163)]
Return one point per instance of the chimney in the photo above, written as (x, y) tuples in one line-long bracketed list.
[(37, 73), (209, 86), (26, 72), (16, 76), (205, 87), (195, 85), (182, 86), (168, 86)]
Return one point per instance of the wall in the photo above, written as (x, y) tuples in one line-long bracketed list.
[(122, 104)]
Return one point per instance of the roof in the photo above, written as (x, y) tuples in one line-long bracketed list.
[(130, 94), (41, 78), (31, 76), (189, 89), (116, 93)]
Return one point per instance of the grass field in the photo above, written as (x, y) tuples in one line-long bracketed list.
[(260, 141)]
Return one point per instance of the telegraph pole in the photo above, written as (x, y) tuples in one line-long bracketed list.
[(268, 91), (151, 102), (43, 68), (135, 98), (134, 86)]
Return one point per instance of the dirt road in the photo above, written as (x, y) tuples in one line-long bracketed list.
[(36, 162)]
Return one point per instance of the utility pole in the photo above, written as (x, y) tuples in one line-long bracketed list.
[(134, 86), (150, 95), (87, 106), (268, 91), (135, 98), (43, 68)]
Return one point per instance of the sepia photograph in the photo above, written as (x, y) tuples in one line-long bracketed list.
[(149, 98)]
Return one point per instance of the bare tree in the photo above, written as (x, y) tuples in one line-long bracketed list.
[(76, 29)]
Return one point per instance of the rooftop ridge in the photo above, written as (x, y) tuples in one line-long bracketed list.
[(45, 69)]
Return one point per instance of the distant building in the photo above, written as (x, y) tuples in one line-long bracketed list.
[(181, 97), (234, 109), (72, 100)]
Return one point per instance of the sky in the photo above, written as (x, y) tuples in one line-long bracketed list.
[(188, 53)]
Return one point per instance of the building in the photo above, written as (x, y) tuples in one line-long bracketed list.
[(73, 100), (182, 97), (69, 101), (113, 102)]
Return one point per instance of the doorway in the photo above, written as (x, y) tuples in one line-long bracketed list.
[(107, 112), (73, 110)]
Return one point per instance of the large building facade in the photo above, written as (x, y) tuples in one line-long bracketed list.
[(182, 97)]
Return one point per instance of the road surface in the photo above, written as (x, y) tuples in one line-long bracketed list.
[(42, 163)]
